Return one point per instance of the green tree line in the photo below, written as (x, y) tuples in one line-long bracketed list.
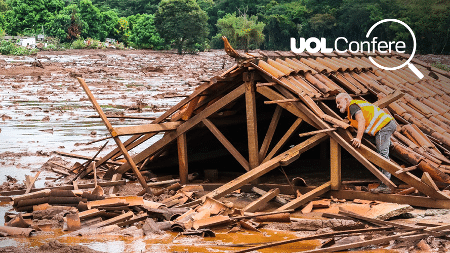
[(191, 25)]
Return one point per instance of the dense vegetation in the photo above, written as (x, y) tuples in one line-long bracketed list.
[(191, 25)]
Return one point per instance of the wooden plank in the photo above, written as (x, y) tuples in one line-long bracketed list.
[(417, 201), (410, 168), (389, 99), (190, 109), (305, 198), (31, 183), (85, 157), (169, 137), (316, 132), (261, 201), (261, 192), (227, 144), (252, 122), (335, 165), (114, 135), (270, 132), (426, 178), (182, 158), (284, 139), (281, 101), (377, 222), (148, 128), (265, 167)]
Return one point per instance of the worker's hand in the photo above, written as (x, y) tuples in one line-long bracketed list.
[(356, 142)]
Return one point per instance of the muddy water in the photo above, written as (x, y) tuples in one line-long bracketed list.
[(170, 242)]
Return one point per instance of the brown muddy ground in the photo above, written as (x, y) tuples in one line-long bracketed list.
[(45, 109)]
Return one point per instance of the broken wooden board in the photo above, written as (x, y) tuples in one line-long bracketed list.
[(149, 128), (385, 211), (114, 220), (211, 222), (261, 201), (300, 201)]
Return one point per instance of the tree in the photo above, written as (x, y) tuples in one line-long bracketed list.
[(283, 21), (66, 25), (92, 21), (30, 15), (129, 7), (182, 23), (242, 31), (144, 34)]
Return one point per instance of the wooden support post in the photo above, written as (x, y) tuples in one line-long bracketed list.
[(305, 198), (252, 131), (335, 165), (227, 144), (270, 131), (182, 158), (114, 135)]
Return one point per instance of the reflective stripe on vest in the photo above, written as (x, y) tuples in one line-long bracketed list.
[(375, 117)]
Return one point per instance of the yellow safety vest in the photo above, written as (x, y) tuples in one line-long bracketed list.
[(375, 117)]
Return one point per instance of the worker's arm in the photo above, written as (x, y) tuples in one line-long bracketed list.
[(356, 142)]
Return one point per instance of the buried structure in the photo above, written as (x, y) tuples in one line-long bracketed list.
[(301, 85), (262, 114)]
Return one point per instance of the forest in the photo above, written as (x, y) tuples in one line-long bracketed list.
[(198, 25)]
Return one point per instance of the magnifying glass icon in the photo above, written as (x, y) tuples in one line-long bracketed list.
[(410, 65)]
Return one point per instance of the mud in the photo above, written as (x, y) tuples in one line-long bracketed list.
[(45, 109)]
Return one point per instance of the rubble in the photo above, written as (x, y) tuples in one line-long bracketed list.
[(98, 197)]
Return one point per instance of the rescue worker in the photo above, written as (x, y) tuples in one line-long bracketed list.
[(373, 121)]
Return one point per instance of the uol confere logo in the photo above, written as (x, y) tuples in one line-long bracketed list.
[(355, 46)]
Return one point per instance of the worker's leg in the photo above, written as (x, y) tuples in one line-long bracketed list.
[(383, 141)]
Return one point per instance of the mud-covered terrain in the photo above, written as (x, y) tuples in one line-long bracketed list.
[(43, 108)]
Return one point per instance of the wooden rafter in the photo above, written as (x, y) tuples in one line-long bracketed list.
[(270, 132), (114, 135), (227, 144)]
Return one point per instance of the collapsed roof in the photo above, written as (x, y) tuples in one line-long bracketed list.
[(301, 84)]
